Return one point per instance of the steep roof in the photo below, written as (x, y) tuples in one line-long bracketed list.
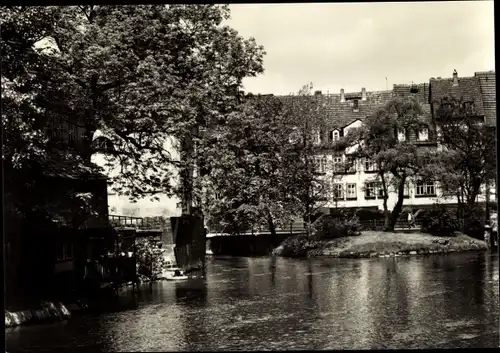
[(487, 84), (421, 94), (468, 89), (339, 114)]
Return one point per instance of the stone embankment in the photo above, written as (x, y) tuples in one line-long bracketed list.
[(48, 312)]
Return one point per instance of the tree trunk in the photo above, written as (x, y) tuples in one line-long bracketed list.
[(187, 171), (396, 211), (270, 223), (386, 211)]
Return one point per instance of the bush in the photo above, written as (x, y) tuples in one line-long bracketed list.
[(330, 227), (440, 222), (473, 223), (150, 261)]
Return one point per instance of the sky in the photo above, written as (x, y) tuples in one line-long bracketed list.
[(355, 45)]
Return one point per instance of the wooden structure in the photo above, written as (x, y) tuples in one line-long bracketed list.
[(190, 242)]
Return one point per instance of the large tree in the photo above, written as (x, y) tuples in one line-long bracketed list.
[(397, 161), (264, 164), (136, 73), (245, 170), (309, 175), (467, 162)]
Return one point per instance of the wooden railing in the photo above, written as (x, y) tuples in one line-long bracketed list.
[(126, 221)]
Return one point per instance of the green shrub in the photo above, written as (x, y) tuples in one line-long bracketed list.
[(473, 222), (331, 227), (440, 222), (297, 246), (150, 261)]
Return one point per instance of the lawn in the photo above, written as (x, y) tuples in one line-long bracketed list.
[(377, 243)]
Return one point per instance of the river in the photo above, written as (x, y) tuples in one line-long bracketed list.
[(264, 303)]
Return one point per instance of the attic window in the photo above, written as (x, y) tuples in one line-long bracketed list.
[(355, 106), (468, 105), (423, 134), (401, 134)]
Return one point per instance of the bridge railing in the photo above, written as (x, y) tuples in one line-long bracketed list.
[(294, 229), (126, 221)]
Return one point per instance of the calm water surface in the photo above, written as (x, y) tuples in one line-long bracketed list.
[(281, 304)]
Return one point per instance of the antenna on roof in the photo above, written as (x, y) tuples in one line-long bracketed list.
[(386, 84)]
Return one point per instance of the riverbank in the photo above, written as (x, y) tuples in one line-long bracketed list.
[(378, 244), (48, 312)]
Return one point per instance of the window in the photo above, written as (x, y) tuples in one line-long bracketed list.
[(423, 134), (355, 106), (351, 165), (380, 190), (317, 137), (57, 129), (322, 165), (351, 191), (370, 190), (64, 252), (337, 164), (72, 132), (406, 192), (335, 135), (370, 165), (425, 189), (338, 191), (401, 134), (468, 106)]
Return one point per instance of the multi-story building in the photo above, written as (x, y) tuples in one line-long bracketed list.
[(357, 187)]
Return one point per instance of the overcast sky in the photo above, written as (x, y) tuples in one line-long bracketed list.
[(354, 45)]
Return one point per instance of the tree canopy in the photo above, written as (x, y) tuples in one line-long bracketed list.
[(138, 74)]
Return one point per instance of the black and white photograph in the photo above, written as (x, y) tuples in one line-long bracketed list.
[(249, 176)]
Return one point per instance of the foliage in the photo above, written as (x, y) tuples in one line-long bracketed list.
[(468, 159), (440, 222), (253, 176), (150, 261), (473, 219), (330, 227), (396, 161), (159, 222), (296, 246), (137, 74)]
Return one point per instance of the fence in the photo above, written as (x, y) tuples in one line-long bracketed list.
[(291, 229), (124, 221)]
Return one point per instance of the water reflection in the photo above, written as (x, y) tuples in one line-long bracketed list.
[(276, 303)]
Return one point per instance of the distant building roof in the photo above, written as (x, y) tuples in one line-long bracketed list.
[(487, 84), (467, 89)]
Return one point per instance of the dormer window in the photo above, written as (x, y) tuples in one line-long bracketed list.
[(355, 106), (401, 134), (317, 138), (468, 106), (423, 134), (335, 135)]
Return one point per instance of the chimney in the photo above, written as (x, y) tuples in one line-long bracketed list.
[(455, 78), (317, 93), (363, 94), (342, 96)]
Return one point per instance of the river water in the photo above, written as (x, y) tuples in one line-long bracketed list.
[(442, 301)]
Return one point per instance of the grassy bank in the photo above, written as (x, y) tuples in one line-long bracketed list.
[(376, 244)]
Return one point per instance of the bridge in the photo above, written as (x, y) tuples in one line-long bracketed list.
[(258, 243)]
